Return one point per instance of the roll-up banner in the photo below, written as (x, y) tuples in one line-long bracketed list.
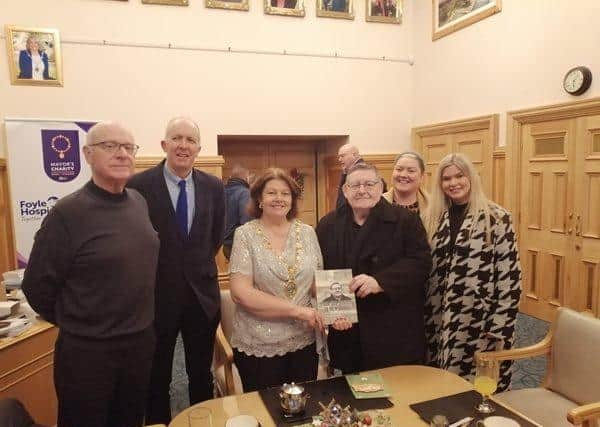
[(45, 163)]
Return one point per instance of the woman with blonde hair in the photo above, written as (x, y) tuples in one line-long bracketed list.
[(33, 61), (407, 180), (474, 288)]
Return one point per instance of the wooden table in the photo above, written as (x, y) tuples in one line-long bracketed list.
[(407, 384), (26, 370)]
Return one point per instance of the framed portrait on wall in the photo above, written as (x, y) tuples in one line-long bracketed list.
[(285, 7), (343, 9), (34, 56), (167, 2), (386, 11), (452, 15), (228, 4)]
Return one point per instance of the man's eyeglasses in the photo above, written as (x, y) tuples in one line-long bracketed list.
[(112, 147), (369, 185)]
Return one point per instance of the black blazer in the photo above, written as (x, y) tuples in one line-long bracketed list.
[(391, 247), (185, 260)]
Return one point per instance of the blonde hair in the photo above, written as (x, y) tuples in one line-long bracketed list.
[(439, 203)]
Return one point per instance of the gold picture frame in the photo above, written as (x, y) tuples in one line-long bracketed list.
[(384, 11), (228, 4), (168, 2), (449, 16), (25, 66), (289, 8), (341, 9)]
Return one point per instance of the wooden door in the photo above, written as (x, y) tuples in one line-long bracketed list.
[(546, 221), (585, 296), (476, 138), (300, 158), (434, 148), (252, 155), (290, 155), (476, 145)]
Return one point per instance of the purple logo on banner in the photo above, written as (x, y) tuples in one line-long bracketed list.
[(61, 154)]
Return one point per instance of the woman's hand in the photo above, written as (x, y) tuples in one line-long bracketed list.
[(341, 324), (364, 285), (312, 317)]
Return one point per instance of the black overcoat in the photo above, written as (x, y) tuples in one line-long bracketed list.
[(392, 247)]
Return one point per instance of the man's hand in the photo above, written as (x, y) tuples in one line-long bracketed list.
[(364, 285), (341, 324)]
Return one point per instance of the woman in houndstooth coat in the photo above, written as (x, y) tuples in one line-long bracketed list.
[(475, 285)]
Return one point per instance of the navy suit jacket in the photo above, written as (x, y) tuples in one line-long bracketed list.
[(185, 260), (26, 68)]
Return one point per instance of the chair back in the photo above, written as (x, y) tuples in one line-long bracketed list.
[(575, 365), (227, 312)]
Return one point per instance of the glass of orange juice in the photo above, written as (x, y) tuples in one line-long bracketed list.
[(485, 382)]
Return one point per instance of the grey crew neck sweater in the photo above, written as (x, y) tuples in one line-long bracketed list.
[(93, 264)]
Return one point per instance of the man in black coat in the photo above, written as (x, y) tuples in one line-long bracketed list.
[(386, 248), (187, 210)]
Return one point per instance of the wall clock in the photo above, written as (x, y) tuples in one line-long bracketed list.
[(577, 80)]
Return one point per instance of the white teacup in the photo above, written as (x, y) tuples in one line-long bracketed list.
[(497, 422), (242, 421)]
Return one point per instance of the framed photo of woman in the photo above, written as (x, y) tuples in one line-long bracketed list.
[(386, 11), (285, 7), (34, 56)]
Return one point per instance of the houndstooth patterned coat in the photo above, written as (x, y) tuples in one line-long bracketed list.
[(472, 294)]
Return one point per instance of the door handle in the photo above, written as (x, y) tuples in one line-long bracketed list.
[(570, 229), (578, 225)]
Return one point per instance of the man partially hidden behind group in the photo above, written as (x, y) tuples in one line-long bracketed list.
[(187, 208), (348, 156), (91, 272), (237, 195)]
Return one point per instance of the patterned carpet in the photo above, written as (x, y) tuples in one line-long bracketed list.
[(527, 373)]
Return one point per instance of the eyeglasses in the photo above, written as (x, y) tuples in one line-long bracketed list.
[(112, 147), (368, 185)]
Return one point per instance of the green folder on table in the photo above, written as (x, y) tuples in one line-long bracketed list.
[(367, 380)]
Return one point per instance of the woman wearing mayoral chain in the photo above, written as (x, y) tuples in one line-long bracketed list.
[(273, 260)]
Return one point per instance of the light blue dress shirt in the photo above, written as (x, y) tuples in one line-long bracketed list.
[(172, 181)]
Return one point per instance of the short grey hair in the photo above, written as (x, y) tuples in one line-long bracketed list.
[(362, 166)]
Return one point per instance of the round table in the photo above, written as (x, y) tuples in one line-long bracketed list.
[(407, 385)]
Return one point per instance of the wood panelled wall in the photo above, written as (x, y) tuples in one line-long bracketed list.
[(475, 137), (7, 242), (498, 176)]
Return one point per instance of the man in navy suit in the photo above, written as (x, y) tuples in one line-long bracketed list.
[(187, 210)]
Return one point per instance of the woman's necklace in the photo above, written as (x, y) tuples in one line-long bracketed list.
[(413, 207), (289, 285)]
